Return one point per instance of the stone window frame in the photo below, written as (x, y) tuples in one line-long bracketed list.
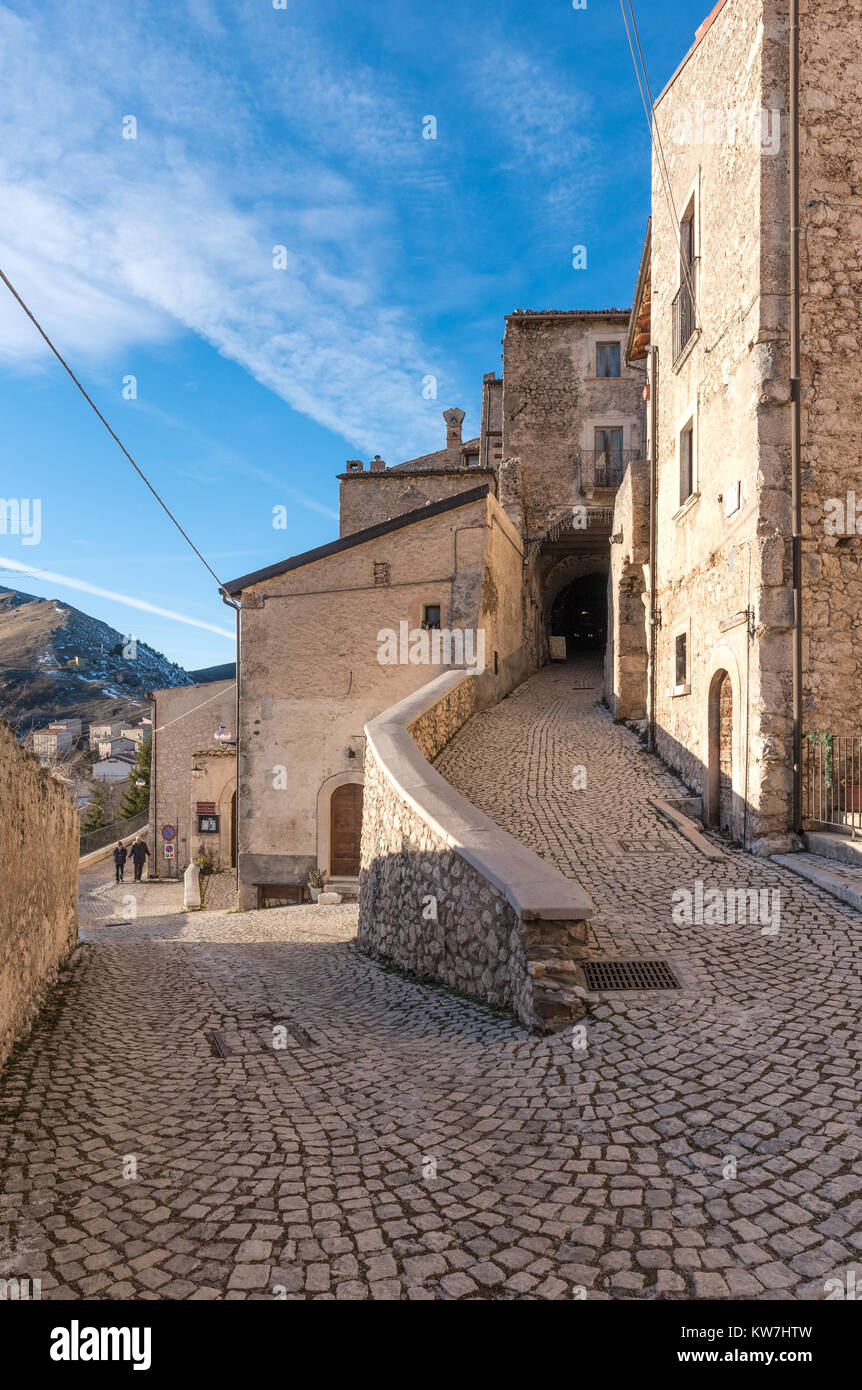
[(688, 418), (610, 335), (692, 199), (681, 629), (606, 421)]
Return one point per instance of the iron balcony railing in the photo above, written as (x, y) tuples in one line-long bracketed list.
[(604, 467), (685, 311), (832, 781)]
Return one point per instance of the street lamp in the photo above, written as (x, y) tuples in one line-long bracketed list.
[(139, 782), (222, 734)]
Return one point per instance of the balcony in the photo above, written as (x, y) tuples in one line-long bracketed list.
[(601, 471), (685, 312)]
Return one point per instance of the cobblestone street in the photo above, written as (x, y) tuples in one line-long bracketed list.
[(407, 1143)]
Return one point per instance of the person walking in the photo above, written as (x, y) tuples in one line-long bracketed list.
[(140, 854), (120, 857)]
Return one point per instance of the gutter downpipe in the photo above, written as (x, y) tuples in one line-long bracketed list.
[(653, 474), (237, 607), (795, 416)]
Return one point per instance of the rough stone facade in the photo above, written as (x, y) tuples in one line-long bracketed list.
[(831, 307), (370, 497), (723, 582), (184, 720), (426, 907), (626, 651), (553, 403), (39, 836), (721, 572)]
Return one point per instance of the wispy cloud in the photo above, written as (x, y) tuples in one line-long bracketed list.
[(69, 582), (120, 242)]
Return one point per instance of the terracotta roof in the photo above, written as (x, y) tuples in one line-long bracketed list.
[(639, 332), (368, 533), (568, 314)]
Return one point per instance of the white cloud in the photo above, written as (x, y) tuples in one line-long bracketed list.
[(116, 243), (48, 577)]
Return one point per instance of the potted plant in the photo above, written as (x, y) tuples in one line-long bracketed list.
[(316, 883)]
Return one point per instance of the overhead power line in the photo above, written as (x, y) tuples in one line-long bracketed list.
[(64, 364)]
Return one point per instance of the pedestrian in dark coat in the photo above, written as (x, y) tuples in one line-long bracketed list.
[(120, 857), (140, 855)]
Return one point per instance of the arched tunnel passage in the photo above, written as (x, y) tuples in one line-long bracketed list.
[(580, 614)]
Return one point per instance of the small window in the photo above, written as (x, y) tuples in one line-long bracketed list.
[(681, 653), (381, 571), (431, 615), (207, 825), (686, 463), (607, 359), (472, 460)]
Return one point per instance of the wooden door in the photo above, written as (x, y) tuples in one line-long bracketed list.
[(345, 830)]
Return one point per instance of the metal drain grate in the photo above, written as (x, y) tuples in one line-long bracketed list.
[(218, 1043), (629, 974)]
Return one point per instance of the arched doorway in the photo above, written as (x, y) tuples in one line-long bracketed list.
[(580, 614), (721, 751), (345, 830)]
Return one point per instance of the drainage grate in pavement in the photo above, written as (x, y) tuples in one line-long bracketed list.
[(218, 1044), (629, 974)]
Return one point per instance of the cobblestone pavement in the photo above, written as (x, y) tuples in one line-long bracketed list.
[(137, 1163)]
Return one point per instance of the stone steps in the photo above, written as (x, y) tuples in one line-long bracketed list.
[(841, 879)]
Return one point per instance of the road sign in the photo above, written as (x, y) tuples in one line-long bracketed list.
[(169, 851), (168, 832)]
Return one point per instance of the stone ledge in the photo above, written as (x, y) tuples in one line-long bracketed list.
[(534, 889)]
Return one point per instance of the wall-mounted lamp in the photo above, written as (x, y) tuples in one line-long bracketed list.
[(222, 734), (197, 771), (349, 753)]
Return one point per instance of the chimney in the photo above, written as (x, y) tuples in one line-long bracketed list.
[(454, 419), (354, 466), (377, 464)]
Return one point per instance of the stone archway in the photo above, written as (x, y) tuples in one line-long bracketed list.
[(326, 814), (720, 807)]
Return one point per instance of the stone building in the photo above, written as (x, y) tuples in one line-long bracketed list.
[(711, 320), (332, 637), (193, 778), (572, 422)]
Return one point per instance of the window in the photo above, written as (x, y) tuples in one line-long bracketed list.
[(431, 615), (608, 457), (686, 463), (684, 304), (607, 359), (472, 460), (681, 657)]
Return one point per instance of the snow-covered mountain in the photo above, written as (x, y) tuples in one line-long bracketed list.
[(56, 661)]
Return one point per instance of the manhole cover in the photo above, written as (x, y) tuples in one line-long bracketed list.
[(629, 974)]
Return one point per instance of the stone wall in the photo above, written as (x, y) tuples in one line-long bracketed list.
[(370, 497), (628, 613), (552, 401), (721, 573), (446, 893), (39, 833), (831, 308), (184, 721)]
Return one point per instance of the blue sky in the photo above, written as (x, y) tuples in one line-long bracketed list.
[(299, 128)]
